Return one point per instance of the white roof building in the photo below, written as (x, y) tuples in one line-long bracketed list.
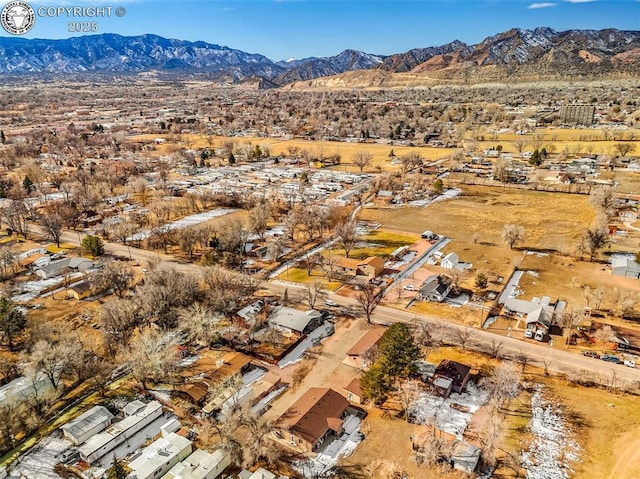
[(24, 388), (88, 424), (160, 456), (294, 319), (200, 465), (100, 444)]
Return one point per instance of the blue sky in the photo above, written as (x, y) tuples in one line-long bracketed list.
[(282, 29)]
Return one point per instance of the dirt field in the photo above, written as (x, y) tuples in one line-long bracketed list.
[(483, 211), (585, 140), (379, 153)]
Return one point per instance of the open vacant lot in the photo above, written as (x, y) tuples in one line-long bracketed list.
[(553, 221)]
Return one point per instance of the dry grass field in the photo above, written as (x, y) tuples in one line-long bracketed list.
[(552, 221), (278, 146)]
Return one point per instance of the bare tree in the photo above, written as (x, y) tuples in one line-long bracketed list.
[(309, 262), (116, 275), (463, 336), (624, 149), (605, 335), (313, 293), (512, 234), (258, 219), (347, 235), (202, 325), (53, 224), (152, 355), (603, 199), (503, 385), (519, 145), (368, 297), (501, 170), (593, 240), (361, 159), (408, 393)]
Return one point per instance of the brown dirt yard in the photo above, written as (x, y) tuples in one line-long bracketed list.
[(553, 221)]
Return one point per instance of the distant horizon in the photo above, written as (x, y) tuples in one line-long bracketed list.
[(290, 59), (295, 29)]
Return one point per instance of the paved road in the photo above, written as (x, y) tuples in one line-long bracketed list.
[(557, 360), (537, 354)]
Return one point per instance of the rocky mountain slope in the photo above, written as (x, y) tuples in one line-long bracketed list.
[(514, 55)]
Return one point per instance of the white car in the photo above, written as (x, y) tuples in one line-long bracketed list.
[(539, 336), (409, 287), (630, 362), (528, 333), (328, 302)]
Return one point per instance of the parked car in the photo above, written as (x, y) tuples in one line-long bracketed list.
[(539, 336), (408, 287), (528, 333), (611, 358), (591, 354), (328, 302), (630, 363)]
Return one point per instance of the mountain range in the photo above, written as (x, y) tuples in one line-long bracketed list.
[(517, 54)]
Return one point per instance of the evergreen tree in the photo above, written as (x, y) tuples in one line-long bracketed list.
[(93, 244), (398, 350), (12, 321), (375, 384), (117, 470)]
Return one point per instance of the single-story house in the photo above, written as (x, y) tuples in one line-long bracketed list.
[(353, 392), (451, 376), (295, 322), (200, 465), (450, 261), (60, 267), (195, 392), (435, 288), (313, 418), (93, 421), (347, 266), (359, 355), (371, 266), (160, 456), (80, 290), (540, 319), (623, 266)]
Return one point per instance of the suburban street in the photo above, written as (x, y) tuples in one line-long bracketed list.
[(565, 362), (560, 361)]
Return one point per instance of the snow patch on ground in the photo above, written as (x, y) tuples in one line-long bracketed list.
[(192, 220), (535, 274), (330, 452), (429, 408), (41, 459), (552, 449)]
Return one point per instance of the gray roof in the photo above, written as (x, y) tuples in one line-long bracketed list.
[(465, 457), (293, 319), (444, 383), (87, 421), (520, 306), (133, 407), (625, 263)]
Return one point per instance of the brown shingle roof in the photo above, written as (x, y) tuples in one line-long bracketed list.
[(375, 261), (354, 387), (371, 338), (309, 416)]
